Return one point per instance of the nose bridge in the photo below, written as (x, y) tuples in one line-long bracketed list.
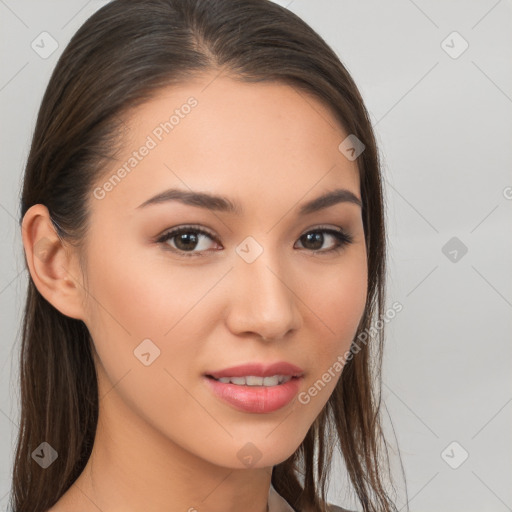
[(264, 303)]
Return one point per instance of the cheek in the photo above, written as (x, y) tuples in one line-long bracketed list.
[(351, 294), (133, 304), (132, 301), (138, 300), (338, 298)]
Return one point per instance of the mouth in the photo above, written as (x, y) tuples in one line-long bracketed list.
[(257, 374), (255, 380), (256, 387)]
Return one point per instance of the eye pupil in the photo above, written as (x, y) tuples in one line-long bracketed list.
[(189, 237), (315, 236)]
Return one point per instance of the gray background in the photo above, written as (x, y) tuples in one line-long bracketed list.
[(443, 122)]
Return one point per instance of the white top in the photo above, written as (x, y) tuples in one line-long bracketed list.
[(276, 503)]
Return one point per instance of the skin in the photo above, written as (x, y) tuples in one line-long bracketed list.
[(164, 441)]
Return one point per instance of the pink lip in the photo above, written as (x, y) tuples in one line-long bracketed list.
[(258, 370), (256, 399)]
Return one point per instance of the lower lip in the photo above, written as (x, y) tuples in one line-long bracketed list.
[(257, 399)]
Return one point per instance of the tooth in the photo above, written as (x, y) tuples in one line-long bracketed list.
[(238, 380), (252, 380), (271, 381)]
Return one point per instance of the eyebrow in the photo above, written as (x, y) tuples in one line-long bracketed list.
[(224, 204)]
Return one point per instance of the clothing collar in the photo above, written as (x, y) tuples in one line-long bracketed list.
[(276, 503)]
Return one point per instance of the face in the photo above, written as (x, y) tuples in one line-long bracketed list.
[(264, 282)]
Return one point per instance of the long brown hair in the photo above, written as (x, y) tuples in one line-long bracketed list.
[(118, 59)]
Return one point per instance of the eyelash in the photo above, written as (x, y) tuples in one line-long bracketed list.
[(342, 239)]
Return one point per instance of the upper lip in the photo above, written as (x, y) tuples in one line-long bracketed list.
[(258, 370)]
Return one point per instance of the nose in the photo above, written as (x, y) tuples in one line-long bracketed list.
[(262, 299)]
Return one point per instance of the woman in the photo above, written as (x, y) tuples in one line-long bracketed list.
[(203, 224)]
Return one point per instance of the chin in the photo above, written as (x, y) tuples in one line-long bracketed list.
[(257, 451)]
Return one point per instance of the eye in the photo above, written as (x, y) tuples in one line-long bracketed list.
[(316, 238), (187, 238)]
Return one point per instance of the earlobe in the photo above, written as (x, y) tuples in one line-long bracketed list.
[(52, 264)]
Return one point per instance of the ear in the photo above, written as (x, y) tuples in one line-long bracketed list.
[(53, 265)]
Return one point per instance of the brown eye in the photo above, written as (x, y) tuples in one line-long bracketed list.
[(314, 240), (186, 239)]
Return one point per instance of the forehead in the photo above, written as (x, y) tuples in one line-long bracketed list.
[(220, 135)]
